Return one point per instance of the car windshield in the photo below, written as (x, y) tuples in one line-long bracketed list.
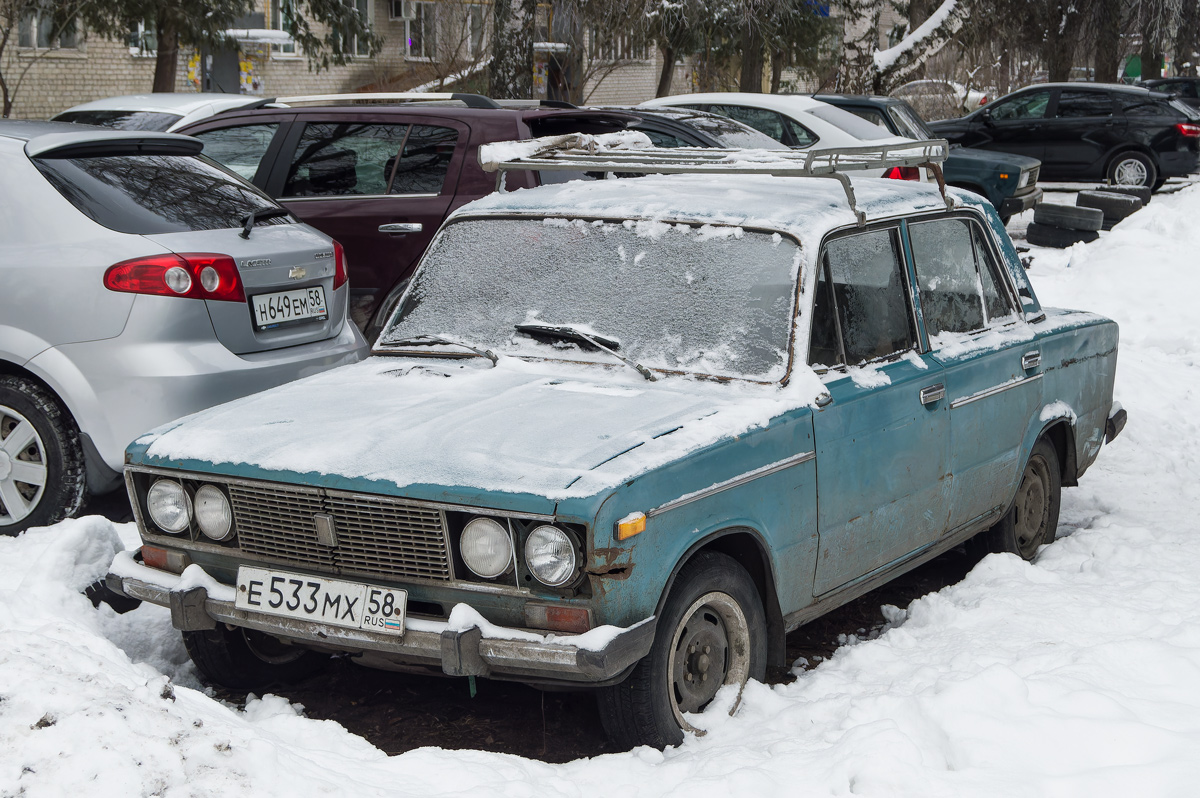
[(121, 120), (709, 299), (847, 122), (910, 122)]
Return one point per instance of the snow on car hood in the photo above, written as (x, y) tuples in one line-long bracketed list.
[(548, 429)]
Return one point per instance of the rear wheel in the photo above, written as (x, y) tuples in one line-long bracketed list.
[(712, 632), (41, 461), (1033, 519), (243, 659), (1132, 169)]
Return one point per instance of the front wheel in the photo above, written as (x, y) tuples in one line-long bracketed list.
[(712, 632), (243, 659), (1033, 519)]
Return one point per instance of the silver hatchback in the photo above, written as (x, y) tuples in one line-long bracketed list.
[(140, 282)]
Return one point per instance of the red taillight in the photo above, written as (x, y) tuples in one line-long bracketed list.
[(984, 100), (1188, 130), (195, 275), (339, 266), (904, 173)]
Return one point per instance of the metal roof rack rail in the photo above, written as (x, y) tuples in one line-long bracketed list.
[(469, 100), (619, 153)]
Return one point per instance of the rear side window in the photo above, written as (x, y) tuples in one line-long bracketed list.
[(774, 124), (861, 310), (956, 277), (1072, 104), (847, 122), (239, 149), (148, 194), (121, 120)]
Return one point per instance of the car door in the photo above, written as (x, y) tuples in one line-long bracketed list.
[(992, 372), (380, 185), (1014, 124), (882, 443), (1080, 133)]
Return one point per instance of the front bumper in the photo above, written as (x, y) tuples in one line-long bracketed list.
[(1021, 203), (510, 654)]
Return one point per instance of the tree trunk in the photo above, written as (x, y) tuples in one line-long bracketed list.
[(1187, 40), (752, 59), (167, 57), (668, 71), (510, 73), (776, 70), (1108, 41), (1061, 37), (860, 39)]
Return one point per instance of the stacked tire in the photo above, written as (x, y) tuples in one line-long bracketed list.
[(1114, 205), (1060, 226)]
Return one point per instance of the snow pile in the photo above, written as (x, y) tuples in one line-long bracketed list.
[(1076, 675)]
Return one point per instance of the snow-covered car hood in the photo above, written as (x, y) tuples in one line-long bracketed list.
[(548, 429)]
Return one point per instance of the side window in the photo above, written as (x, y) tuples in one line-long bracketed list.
[(239, 149), (861, 310), (1027, 106), (336, 159), (665, 139), (956, 277), (424, 161), (1072, 104), (871, 115), (774, 124)]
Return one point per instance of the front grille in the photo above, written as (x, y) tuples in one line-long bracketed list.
[(375, 536), (1033, 176)]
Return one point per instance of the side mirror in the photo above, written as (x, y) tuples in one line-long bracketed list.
[(986, 115)]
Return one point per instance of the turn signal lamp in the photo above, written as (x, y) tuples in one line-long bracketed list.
[(557, 618), (630, 525), (165, 559)]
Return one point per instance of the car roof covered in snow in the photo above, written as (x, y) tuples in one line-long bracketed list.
[(806, 207)]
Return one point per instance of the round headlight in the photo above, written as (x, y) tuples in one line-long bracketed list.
[(550, 555), (169, 505), (213, 514), (486, 548)]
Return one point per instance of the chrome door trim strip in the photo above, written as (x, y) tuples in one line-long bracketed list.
[(984, 394), (737, 481)]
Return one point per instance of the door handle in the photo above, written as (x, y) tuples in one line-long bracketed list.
[(932, 393), (401, 227), (1031, 360)]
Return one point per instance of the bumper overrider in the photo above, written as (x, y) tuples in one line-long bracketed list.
[(1019, 203), (198, 602)]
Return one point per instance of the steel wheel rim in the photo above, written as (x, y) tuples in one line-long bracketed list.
[(1130, 172), (22, 466), (716, 621), (1032, 508)]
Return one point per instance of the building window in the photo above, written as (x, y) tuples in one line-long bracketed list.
[(421, 29), (39, 29), (357, 45), (282, 13), (609, 46), (142, 38)]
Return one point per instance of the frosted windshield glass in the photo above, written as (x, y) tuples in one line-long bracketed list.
[(710, 300)]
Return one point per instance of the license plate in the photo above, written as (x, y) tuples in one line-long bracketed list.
[(311, 598), (300, 304)]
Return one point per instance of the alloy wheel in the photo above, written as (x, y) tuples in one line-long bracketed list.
[(1130, 172), (22, 466)]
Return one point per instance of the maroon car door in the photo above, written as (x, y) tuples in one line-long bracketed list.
[(380, 184)]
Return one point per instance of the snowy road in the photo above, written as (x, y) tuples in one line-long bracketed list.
[(1076, 675)]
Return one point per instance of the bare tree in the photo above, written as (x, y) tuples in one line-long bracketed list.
[(866, 68), (46, 20)]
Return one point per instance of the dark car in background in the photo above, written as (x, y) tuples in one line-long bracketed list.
[(1008, 181), (380, 175), (1125, 135), (1186, 90)]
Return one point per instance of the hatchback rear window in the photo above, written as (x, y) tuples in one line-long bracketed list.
[(121, 120), (148, 194)]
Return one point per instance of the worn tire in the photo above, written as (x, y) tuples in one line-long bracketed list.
[(1115, 207), (1046, 236), (1032, 521), (1068, 217), (52, 453), (242, 659), (1132, 168), (712, 601), (1141, 192)]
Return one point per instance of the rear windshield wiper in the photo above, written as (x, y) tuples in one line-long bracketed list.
[(430, 340), (572, 333), (258, 215)]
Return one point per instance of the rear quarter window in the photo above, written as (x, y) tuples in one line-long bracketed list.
[(149, 194)]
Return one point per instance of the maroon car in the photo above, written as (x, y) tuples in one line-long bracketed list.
[(380, 178)]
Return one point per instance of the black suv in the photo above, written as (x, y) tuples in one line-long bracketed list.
[(1126, 135)]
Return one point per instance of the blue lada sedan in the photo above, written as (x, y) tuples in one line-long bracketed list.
[(627, 434)]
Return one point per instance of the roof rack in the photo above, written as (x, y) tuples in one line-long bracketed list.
[(469, 100), (628, 153)]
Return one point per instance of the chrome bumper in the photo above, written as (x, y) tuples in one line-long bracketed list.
[(457, 652)]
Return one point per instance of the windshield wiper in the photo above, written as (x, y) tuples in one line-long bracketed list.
[(430, 340), (258, 215), (573, 333)]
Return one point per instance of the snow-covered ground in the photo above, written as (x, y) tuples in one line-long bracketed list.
[(1076, 675)]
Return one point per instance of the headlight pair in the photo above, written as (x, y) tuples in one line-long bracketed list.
[(487, 549), (172, 509)]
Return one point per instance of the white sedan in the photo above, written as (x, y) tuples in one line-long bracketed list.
[(797, 120), (161, 112)]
